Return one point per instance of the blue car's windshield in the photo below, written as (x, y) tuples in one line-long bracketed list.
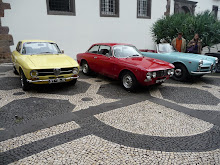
[(30, 48), (165, 48)]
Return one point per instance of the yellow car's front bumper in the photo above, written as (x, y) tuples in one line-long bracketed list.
[(53, 80)]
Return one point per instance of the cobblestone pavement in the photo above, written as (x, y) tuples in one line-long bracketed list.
[(98, 122)]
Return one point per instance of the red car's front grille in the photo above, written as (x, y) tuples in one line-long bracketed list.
[(162, 73)]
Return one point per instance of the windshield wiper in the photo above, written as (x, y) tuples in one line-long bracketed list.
[(134, 55), (46, 52)]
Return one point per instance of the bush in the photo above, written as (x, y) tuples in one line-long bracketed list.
[(205, 24)]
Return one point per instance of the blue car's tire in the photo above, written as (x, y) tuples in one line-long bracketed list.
[(180, 72)]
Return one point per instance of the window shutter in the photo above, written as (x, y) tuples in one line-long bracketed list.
[(149, 8), (117, 7)]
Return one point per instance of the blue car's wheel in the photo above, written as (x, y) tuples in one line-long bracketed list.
[(180, 72)]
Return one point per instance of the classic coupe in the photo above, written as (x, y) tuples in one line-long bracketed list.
[(186, 64), (126, 63), (42, 62)]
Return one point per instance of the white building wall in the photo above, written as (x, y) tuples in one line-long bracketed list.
[(28, 19), (207, 5)]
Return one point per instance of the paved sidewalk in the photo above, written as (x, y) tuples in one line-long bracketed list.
[(97, 122)]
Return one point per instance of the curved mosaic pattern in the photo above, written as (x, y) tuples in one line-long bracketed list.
[(62, 89), (96, 121), (9, 83), (24, 110), (189, 96)]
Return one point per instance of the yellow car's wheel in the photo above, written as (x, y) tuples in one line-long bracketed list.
[(73, 82), (14, 70), (24, 84)]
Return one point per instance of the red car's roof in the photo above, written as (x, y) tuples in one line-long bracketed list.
[(112, 44)]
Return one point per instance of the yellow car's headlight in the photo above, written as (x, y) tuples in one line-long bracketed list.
[(34, 73), (75, 71)]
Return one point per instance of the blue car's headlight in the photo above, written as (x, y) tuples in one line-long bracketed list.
[(216, 60), (200, 62)]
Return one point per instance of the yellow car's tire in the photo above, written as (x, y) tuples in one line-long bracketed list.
[(24, 84), (73, 82), (15, 71)]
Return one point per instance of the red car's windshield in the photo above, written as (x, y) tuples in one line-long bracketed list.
[(125, 51), (30, 48)]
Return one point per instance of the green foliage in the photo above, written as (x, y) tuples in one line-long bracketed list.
[(205, 24)]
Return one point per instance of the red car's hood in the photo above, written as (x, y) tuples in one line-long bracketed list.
[(150, 64)]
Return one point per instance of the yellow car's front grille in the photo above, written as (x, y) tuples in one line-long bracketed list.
[(46, 72)]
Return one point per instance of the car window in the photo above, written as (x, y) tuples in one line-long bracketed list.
[(105, 50), (94, 49), (125, 51), (18, 48), (40, 48), (164, 48)]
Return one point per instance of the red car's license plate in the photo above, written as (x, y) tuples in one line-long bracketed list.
[(159, 81)]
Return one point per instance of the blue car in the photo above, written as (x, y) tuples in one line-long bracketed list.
[(186, 64)]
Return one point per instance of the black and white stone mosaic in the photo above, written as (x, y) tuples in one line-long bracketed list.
[(98, 122)]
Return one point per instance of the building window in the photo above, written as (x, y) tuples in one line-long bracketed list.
[(109, 8), (215, 11), (144, 9), (183, 6), (61, 7)]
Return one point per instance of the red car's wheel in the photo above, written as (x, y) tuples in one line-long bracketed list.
[(85, 68), (129, 81)]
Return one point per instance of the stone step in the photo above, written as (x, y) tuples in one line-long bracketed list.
[(4, 43), (4, 30), (7, 37)]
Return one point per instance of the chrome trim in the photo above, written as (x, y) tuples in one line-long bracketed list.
[(201, 72), (69, 78)]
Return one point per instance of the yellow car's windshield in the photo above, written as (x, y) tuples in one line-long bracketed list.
[(30, 48)]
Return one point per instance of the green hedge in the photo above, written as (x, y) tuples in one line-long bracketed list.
[(205, 24)]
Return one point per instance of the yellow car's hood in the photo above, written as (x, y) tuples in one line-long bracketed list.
[(52, 61)]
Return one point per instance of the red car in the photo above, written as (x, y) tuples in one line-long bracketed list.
[(126, 63)]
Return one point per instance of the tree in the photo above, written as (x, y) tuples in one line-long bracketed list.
[(205, 24)]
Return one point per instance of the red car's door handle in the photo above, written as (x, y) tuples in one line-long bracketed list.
[(95, 57)]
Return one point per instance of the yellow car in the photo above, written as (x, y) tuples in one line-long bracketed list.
[(42, 62)]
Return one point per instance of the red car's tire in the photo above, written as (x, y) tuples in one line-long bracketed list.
[(85, 68), (129, 81)]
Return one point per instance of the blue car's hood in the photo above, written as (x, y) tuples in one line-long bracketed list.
[(193, 56)]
